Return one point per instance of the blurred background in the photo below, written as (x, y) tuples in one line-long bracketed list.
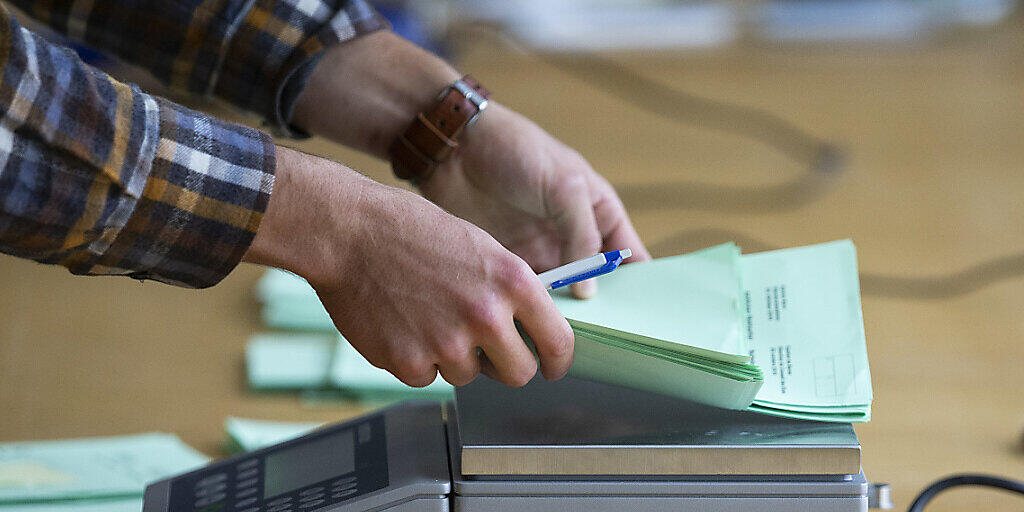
[(775, 123)]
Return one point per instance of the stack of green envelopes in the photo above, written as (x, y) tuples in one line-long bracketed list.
[(671, 325), (778, 332)]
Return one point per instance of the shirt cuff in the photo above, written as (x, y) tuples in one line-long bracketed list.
[(207, 189), (276, 47)]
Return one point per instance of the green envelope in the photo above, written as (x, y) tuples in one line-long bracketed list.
[(805, 330), (321, 361), (92, 469), (246, 434), (95, 505)]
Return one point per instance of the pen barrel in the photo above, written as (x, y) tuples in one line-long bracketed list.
[(572, 269)]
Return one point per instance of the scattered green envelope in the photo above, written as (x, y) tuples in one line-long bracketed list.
[(351, 372), (313, 360), (96, 505), (247, 434), (91, 469), (288, 302), (289, 361)]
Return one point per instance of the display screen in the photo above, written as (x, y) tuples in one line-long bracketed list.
[(307, 463)]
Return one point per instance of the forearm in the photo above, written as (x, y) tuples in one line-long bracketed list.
[(102, 178), (255, 54), (365, 92)]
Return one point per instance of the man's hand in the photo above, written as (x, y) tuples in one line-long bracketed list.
[(532, 193), (536, 196), (414, 289)]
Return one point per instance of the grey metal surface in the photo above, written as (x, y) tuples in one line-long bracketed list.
[(417, 461), (157, 497), (436, 504), (577, 427), (707, 493), (657, 504), (880, 496)]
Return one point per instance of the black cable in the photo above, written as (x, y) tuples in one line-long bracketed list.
[(926, 495)]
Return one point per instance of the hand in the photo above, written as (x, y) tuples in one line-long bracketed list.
[(532, 193), (414, 289)]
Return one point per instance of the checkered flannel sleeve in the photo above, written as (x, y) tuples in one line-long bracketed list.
[(102, 178), (256, 54)]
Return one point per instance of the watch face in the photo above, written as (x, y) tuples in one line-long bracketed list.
[(323, 468)]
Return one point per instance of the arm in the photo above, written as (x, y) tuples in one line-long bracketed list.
[(254, 54), (104, 179), (536, 196), (414, 289)]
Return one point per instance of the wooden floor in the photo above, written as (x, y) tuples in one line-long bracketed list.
[(931, 190)]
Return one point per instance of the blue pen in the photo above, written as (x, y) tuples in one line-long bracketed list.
[(596, 265)]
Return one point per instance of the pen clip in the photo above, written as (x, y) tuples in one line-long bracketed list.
[(609, 266)]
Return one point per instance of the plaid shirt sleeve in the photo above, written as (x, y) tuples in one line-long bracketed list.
[(256, 54), (102, 178)]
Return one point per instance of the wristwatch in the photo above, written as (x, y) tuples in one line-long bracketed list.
[(433, 135)]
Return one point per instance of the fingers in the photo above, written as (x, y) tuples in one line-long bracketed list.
[(617, 232), (413, 372), (504, 354), (487, 367), (540, 320), (512, 361), (552, 337), (577, 227), (459, 364)]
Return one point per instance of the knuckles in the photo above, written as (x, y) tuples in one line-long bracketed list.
[(485, 315), (452, 352), (414, 373), (515, 276), (569, 189)]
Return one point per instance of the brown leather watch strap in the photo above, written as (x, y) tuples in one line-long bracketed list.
[(433, 135)]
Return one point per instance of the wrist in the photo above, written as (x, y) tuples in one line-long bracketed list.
[(371, 87), (309, 216), (432, 137), (493, 125)]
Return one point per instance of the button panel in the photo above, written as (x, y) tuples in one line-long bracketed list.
[(238, 485)]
